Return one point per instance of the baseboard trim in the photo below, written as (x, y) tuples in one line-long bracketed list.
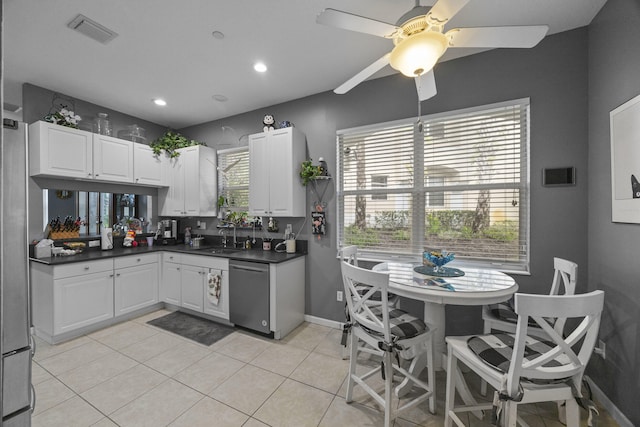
[(324, 322), (613, 410)]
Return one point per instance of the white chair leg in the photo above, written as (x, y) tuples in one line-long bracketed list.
[(452, 366), (388, 385), (573, 413), (431, 376), (353, 344), (510, 410)]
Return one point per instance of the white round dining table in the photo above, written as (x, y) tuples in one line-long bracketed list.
[(477, 286)]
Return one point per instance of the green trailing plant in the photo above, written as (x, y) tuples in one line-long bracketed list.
[(170, 142), (222, 201), (309, 172)]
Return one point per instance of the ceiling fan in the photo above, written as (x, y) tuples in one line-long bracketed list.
[(419, 40)]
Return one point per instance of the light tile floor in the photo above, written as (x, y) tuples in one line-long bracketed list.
[(134, 374)]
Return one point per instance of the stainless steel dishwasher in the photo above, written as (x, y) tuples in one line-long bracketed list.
[(249, 295)]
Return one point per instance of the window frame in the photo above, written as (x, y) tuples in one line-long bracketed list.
[(222, 181), (420, 197)]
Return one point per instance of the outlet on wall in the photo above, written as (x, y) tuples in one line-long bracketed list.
[(339, 296)]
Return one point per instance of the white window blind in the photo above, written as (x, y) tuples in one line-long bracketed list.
[(233, 177), (460, 185)]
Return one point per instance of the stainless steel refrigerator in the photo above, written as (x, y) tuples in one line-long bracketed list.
[(17, 393)]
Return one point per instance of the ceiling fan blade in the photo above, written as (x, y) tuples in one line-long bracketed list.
[(349, 21), (444, 10), (517, 36), (426, 85), (362, 75)]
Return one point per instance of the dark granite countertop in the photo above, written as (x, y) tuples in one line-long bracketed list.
[(254, 255)]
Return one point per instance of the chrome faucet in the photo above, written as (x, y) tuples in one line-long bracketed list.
[(223, 233), (235, 240)]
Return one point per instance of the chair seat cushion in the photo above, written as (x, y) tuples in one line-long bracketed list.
[(496, 350), (402, 324), (504, 311)]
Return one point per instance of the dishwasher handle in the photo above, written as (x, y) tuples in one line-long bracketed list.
[(248, 268)]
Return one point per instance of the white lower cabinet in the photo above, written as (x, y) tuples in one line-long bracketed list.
[(192, 288), (82, 300), (136, 283), (198, 283), (69, 297), (171, 284)]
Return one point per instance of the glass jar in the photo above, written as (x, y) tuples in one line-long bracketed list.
[(102, 124)]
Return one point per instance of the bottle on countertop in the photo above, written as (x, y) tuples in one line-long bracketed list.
[(247, 243), (187, 236)]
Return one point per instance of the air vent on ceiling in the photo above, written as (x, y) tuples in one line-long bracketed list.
[(92, 29), (11, 107)]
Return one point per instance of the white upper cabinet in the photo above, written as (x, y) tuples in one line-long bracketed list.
[(192, 184), (112, 159), (275, 188), (56, 150), (148, 169)]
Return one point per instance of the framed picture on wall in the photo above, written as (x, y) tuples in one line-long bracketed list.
[(625, 162)]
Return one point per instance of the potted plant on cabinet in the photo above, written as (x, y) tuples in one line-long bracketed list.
[(170, 142)]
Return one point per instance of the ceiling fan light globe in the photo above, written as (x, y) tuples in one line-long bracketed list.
[(418, 53)]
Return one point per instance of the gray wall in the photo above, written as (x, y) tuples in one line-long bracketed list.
[(553, 75), (614, 248)]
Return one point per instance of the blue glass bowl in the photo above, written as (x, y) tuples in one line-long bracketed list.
[(437, 260)]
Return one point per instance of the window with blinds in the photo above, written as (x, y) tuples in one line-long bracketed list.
[(458, 181), (233, 177)]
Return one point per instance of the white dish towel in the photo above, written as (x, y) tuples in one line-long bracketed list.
[(214, 285)]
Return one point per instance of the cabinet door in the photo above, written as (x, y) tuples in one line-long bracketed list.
[(259, 170), (172, 198), (60, 151), (191, 180), (192, 287), (281, 177), (171, 283), (147, 167), (81, 301), (221, 308), (112, 159), (135, 288)]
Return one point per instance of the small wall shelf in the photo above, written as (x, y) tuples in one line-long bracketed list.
[(319, 187)]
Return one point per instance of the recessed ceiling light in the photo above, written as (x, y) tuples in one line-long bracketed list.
[(160, 102), (260, 67), (218, 35), (220, 98)]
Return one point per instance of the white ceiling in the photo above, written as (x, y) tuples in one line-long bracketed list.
[(165, 49)]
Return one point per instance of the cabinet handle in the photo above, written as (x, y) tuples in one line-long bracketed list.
[(32, 404), (97, 174), (178, 268), (86, 268), (118, 275), (138, 259), (111, 275), (32, 343)]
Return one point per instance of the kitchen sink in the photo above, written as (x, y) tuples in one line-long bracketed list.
[(226, 250)]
